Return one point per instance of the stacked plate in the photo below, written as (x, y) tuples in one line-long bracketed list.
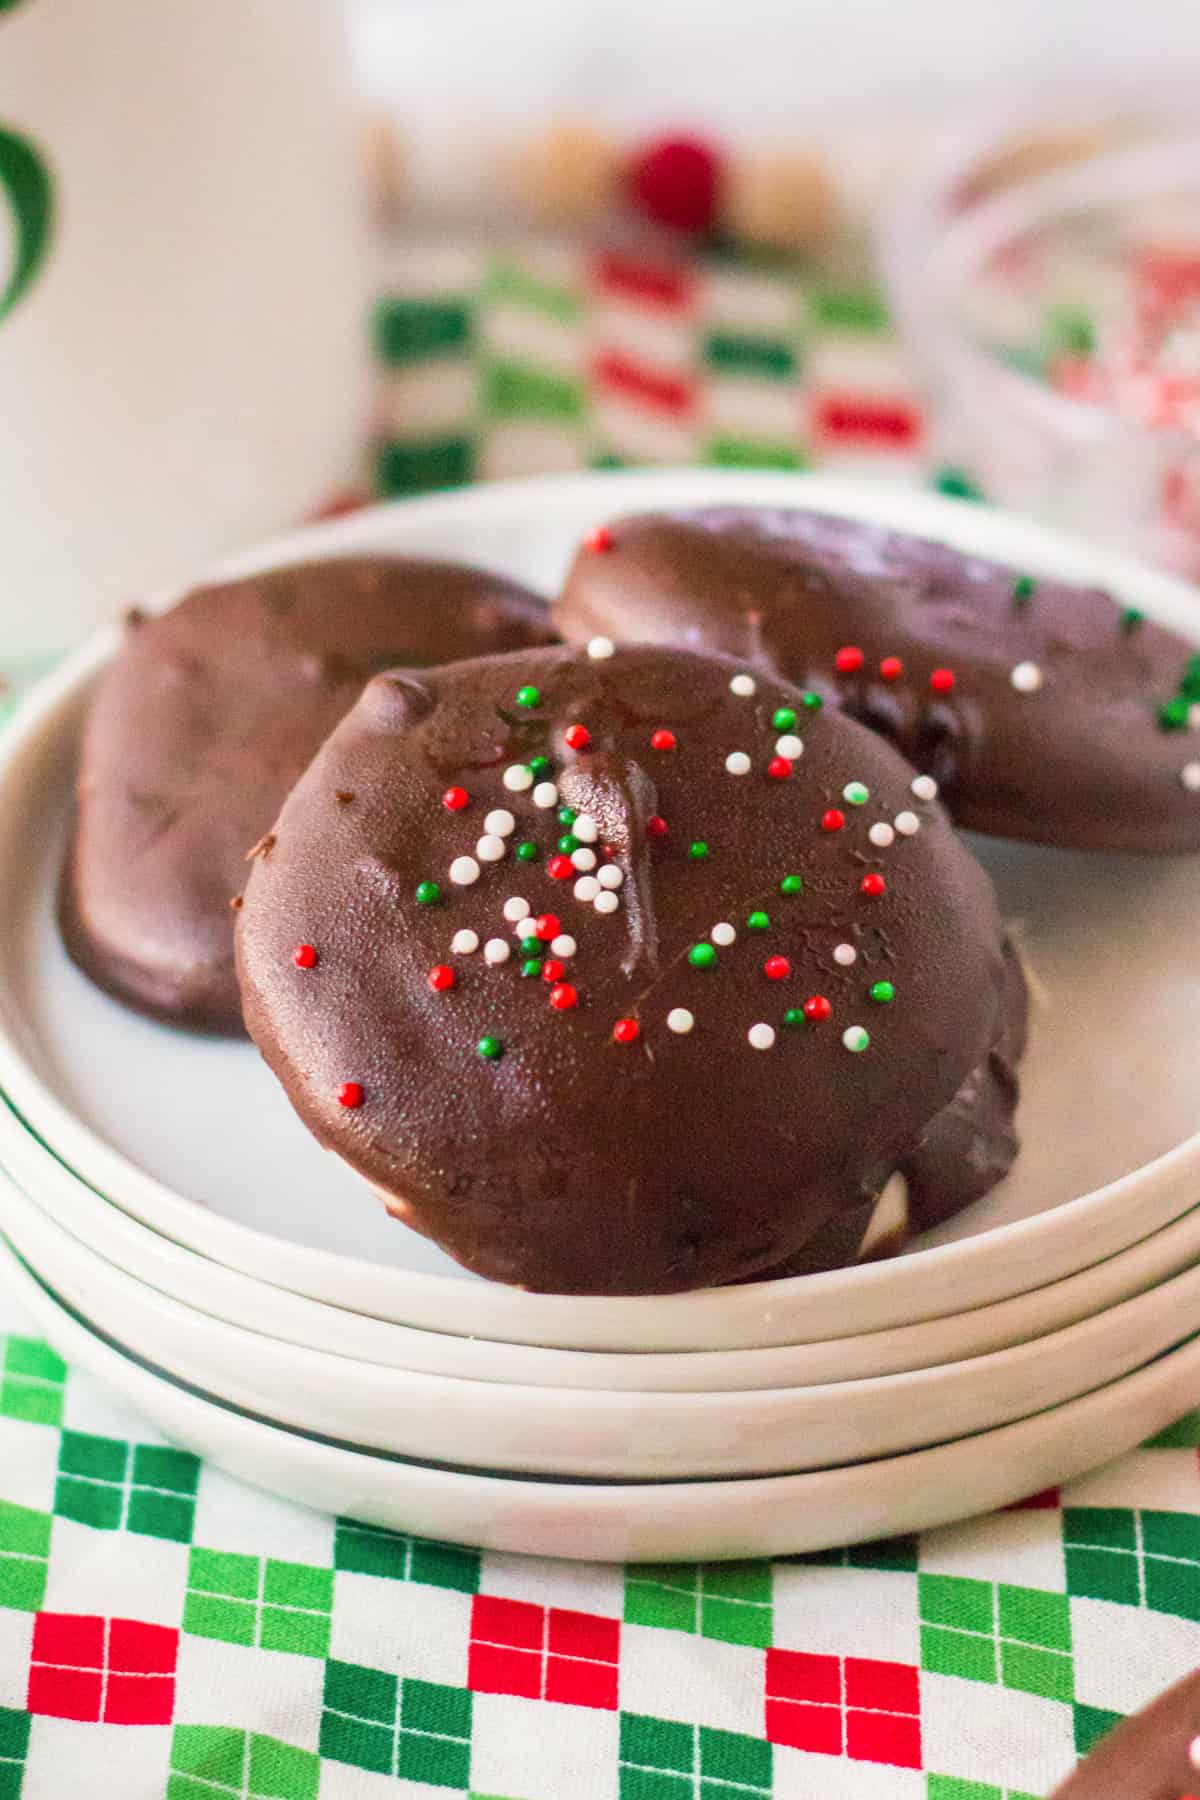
[(173, 1226)]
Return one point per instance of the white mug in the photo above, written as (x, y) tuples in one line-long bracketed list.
[(181, 293)]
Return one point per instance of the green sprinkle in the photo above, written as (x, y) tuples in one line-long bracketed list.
[(539, 765), (1189, 687), (813, 701), (529, 696), (702, 956), (957, 484), (1131, 618), (758, 921), (1022, 589), (791, 884), (532, 947), (793, 1018), (490, 1048), (698, 851), (428, 893), (855, 793), (1174, 715), (568, 843), (856, 1038), (527, 852), (567, 815), (783, 718), (883, 992), (531, 966)]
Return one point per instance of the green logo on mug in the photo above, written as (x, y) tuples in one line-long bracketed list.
[(26, 184)]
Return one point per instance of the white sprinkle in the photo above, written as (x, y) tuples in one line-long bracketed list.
[(855, 1038), (1026, 678), (925, 787), (1194, 1753), (601, 648), (526, 927), (587, 887), (907, 824), (723, 934), (545, 794), (1194, 716), (882, 835), (517, 778), (1190, 777), (743, 686), (680, 1019), (737, 763), (464, 942), (563, 945), (609, 876), (500, 823), (585, 829), (490, 848), (584, 859), (606, 901), (762, 1037), (464, 870), (789, 746), (845, 955), (515, 909), (496, 951)]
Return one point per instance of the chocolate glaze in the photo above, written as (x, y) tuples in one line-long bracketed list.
[(1082, 761), (200, 727), (576, 1164), (1146, 1757)]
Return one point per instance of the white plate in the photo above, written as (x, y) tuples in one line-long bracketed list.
[(225, 1294), (197, 1139), (624, 1436), (779, 1515)]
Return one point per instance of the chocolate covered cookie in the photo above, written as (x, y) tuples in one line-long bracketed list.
[(1045, 711), (627, 973), (200, 727)]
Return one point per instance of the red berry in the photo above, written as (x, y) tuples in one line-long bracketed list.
[(872, 886), (891, 668), (777, 968), (441, 977), (599, 538), (561, 868), (577, 737), (817, 1008), (656, 826), (942, 681), (546, 926), (350, 1094), (833, 820), (675, 182), (849, 660), (626, 1031), (455, 798), (553, 970), (779, 768), (663, 740), (563, 997), (305, 957)]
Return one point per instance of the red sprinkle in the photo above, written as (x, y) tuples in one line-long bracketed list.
[(656, 826), (942, 681), (599, 538), (563, 997), (455, 799), (626, 1031), (779, 768), (441, 977), (561, 868), (546, 926), (872, 886), (833, 820), (350, 1094), (577, 737), (817, 1008), (777, 968), (553, 970), (663, 740), (305, 957), (849, 660), (891, 668)]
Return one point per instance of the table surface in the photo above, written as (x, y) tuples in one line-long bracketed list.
[(171, 1632)]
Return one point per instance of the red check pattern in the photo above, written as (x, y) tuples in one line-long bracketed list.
[(543, 1653), (119, 1671), (847, 1706)]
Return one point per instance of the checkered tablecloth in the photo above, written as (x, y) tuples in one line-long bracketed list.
[(165, 1631)]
